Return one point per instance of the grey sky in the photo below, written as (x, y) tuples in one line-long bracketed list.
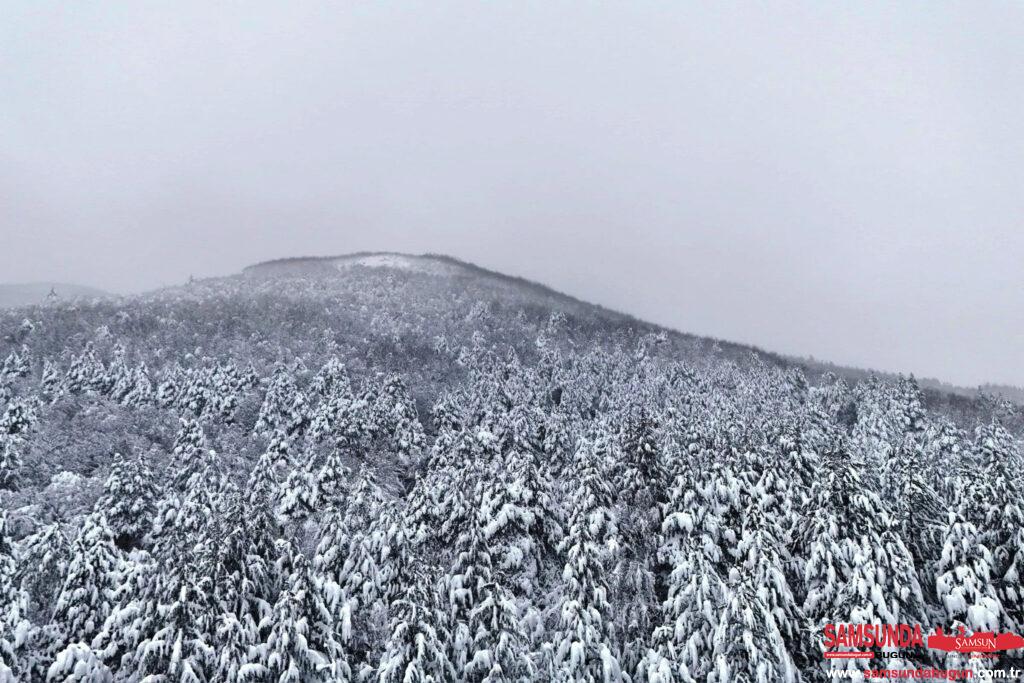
[(842, 180)]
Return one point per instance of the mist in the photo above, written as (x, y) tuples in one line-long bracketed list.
[(836, 181)]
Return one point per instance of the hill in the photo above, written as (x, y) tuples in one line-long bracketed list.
[(456, 274), (391, 467)]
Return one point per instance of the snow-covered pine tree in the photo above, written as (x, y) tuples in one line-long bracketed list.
[(682, 645), (190, 454), (859, 565), (395, 412), (44, 557), (586, 649), (11, 462), (524, 525), (748, 646), (139, 389), (227, 390), (496, 650), (169, 387), (195, 395), (86, 373), (486, 641), (642, 482), (121, 375), (16, 364), (312, 487), (13, 624), (167, 628), (415, 649), (51, 382), (249, 580), (19, 417), (93, 575), (998, 494), (301, 646), (964, 585), (78, 663), (762, 564), (129, 500), (347, 560), (283, 406)]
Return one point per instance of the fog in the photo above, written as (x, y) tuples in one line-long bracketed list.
[(842, 181)]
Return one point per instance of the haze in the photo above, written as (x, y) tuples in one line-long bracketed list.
[(842, 181)]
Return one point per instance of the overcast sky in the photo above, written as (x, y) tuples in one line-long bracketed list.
[(837, 180)]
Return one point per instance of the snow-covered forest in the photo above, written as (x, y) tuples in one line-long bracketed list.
[(404, 474)]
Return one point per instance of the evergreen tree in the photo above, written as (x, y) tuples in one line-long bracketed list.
[(748, 645), (301, 646), (415, 649), (51, 382), (77, 663), (682, 646), (964, 585), (11, 463), (13, 625), (586, 650), (129, 500), (998, 493), (86, 599), (18, 418), (190, 455), (348, 561)]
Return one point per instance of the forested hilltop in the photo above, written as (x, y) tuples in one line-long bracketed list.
[(403, 469)]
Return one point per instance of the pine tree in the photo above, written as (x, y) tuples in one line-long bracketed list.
[(348, 561), (486, 641), (44, 557), (313, 488), (415, 649), (227, 387), (396, 412), (964, 585), (586, 650), (13, 625), (11, 463), (139, 390), (283, 406), (301, 645), (77, 663), (51, 382), (166, 625), (642, 481), (86, 373), (86, 598), (524, 525), (763, 565), (748, 646), (129, 500), (190, 454), (19, 417), (168, 388), (682, 646), (249, 581), (998, 493)]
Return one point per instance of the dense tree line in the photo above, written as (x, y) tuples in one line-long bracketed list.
[(572, 506)]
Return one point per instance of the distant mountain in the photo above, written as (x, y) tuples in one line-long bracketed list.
[(32, 293), (445, 272)]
